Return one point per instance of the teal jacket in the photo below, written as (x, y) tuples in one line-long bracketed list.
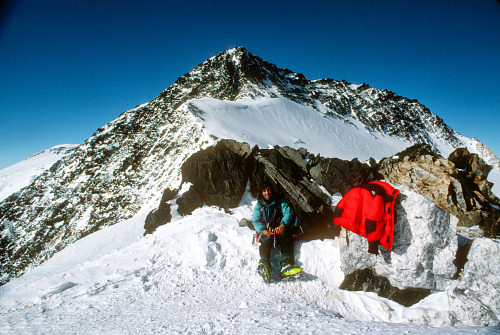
[(258, 219)]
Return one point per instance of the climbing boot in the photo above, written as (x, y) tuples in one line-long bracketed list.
[(264, 270), (290, 272)]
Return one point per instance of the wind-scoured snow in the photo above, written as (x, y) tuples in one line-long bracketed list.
[(197, 275), (21, 174), (279, 121)]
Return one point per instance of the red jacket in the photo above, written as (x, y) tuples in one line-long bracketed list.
[(369, 211)]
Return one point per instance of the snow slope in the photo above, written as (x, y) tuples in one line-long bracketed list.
[(271, 121), (197, 275), (21, 174)]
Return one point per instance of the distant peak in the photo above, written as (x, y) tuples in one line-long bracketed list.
[(239, 49), (235, 54)]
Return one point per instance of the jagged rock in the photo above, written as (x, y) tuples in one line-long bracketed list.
[(474, 171), (486, 153), (464, 244), (338, 175), (189, 201), (160, 215), (424, 248), (366, 280), (218, 175), (469, 310), (429, 174)]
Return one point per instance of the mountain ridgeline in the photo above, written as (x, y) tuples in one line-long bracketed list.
[(126, 165), (237, 74)]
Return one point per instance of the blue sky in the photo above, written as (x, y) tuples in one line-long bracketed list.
[(67, 67)]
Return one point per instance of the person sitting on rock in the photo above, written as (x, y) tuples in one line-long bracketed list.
[(273, 221)]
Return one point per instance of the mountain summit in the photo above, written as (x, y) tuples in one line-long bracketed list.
[(236, 74), (125, 165)]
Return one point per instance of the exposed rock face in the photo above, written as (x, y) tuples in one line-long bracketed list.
[(161, 215), (366, 280), (474, 172), (486, 153), (338, 175), (219, 176), (286, 170), (463, 192)]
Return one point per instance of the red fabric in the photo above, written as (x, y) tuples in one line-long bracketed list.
[(369, 212)]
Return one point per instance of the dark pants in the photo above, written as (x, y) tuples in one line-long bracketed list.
[(286, 245)]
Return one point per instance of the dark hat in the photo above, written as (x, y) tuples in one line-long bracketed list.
[(265, 184)]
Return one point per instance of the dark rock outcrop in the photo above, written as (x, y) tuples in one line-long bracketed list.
[(338, 175), (366, 280), (219, 175), (161, 215), (474, 172), (286, 170)]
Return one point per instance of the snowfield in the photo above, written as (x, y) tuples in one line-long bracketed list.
[(197, 275), (270, 121), (17, 176)]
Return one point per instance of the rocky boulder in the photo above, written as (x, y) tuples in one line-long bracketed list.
[(475, 296), (455, 190), (337, 175), (474, 172), (218, 175), (285, 168), (421, 259), (160, 215)]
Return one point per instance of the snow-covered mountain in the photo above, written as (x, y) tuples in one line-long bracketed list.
[(197, 274), (125, 166)]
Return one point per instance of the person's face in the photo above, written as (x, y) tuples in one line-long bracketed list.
[(266, 193)]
